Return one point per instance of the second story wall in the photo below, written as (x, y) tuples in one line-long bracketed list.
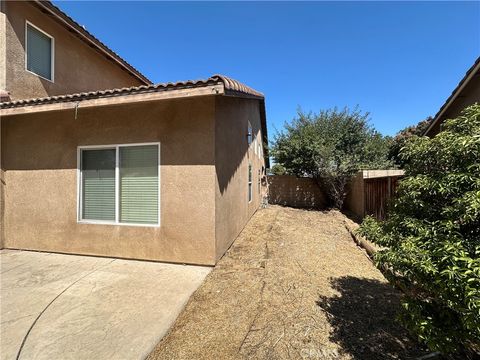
[(77, 67)]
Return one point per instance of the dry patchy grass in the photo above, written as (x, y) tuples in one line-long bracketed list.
[(293, 285)]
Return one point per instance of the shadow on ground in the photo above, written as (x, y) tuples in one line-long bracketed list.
[(363, 320)]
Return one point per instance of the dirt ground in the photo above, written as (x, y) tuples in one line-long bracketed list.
[(293, 285)]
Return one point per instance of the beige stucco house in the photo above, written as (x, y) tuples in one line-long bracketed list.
[(168, 172), (466, 93)]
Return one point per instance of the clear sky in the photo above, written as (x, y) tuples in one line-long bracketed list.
[(397, 60)]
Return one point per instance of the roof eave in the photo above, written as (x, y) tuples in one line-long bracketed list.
[(455, 93), (115, 100), (54, 11)]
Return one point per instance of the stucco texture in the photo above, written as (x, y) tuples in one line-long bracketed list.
[(233, 154), (40, 162), (204, 157), (78, 67), (355, 198)]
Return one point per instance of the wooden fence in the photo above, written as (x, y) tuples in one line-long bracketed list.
[(378, 194), (369, 192), (289, 190)]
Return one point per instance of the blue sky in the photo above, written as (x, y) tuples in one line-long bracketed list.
[(397, 60)]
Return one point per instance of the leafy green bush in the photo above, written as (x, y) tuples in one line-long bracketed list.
[(431, 239), (331, 147), (277, 169), (399, 140)]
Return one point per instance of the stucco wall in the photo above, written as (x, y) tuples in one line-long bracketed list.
[(2, 193), (355, 199), (289, 190), (40, 162), (78, 67), (3, 49), (232, 156)]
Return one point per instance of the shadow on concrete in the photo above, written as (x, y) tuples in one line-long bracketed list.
[(363, 320)]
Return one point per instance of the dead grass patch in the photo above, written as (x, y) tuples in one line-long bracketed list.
[(294, 285)]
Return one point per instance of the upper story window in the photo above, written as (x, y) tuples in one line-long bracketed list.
[(249, 133), (39, 52)]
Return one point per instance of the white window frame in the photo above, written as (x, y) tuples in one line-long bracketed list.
[(117, 184), (259, 181), (52, 65), (249, 134), (250, 182)]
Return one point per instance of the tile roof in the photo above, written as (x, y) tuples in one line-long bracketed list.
[(231, 86), (47, 6)]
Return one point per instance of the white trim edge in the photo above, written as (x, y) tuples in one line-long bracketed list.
[(52, 50), (117, 180)]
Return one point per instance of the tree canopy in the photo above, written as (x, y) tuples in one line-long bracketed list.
[(431, 239), (330, 146), (277, 169), (400, 139)]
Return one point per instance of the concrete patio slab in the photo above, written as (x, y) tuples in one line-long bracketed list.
[(56, 306)]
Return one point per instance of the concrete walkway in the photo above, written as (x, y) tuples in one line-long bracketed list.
[(57, 306)]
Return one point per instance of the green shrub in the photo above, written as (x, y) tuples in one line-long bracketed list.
[(399, 140), (330, 146), (277, 169), (431, 239)]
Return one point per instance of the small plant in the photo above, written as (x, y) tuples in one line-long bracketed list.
[(431, 239)]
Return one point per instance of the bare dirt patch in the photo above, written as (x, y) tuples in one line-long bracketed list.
[(293, 285)]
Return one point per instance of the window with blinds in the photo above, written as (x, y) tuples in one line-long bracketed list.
[(250, 184), (259, 181), (98, 184), (120, 185), (249, 133), (39, 52), (139, 184)]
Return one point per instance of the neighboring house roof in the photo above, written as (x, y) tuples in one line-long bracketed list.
[(473, 71), (47, 7)]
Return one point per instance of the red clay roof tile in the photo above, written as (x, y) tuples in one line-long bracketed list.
[(232, 87)]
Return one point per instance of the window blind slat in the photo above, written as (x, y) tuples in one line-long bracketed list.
[(98, 190), (39, 53), (139, 184)]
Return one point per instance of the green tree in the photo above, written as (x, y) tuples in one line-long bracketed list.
[(331, 147), (431, 239), (277, 169), (400, 139)]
